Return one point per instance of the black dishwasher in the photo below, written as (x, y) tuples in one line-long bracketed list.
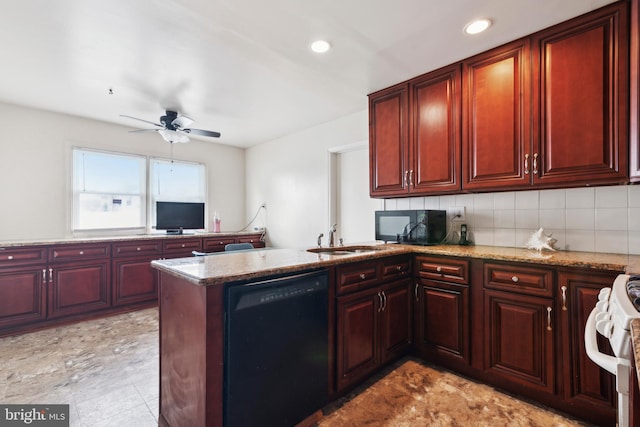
[(276, 350)]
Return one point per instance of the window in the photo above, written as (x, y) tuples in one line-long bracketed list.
[(173, 181), (111, 190)]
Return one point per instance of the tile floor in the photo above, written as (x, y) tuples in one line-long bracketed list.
[(107, 371)]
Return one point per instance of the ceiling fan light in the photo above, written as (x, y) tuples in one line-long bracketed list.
[(172, 136)]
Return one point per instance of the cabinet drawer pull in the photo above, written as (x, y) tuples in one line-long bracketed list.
[(10, 257), (138, 249), (564, 298), (399, 268), (548, 318), (439, 269), (415, 292), (363, 276), (526, 164), (514, 279), (182, 245), (81, 252)]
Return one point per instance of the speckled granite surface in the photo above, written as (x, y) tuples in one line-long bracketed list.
[(635, 339)]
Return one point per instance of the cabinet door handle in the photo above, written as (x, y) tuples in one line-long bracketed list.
[(380, 302), (548, 318), (415, 292), (526, 164), (44, 276), (406, 179), (564, 298), (535, 163), (514, 279), (411, 178), (51, 275), (384, 301)]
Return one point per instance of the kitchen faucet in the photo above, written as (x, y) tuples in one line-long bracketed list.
[(332, 232)]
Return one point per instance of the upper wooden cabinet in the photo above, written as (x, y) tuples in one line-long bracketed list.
[(388, 146), (634, 88), (497, 118), (581, 73), (547, 111)]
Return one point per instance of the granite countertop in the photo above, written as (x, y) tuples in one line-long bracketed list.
[(635, 340), (107, 239)]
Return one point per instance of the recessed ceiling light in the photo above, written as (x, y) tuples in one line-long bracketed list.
[(477, 26), (320, 46)]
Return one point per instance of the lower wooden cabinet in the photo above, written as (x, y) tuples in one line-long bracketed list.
[(519, 339), (442, 326), (79, 288), (23, 295), (374, 327), (134, 281), (586, 386)]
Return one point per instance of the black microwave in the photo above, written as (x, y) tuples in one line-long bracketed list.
[(415, 227)]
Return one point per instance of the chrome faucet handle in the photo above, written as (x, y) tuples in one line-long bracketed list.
[(340, 242), (320, 236)]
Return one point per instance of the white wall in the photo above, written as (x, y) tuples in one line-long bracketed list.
[(35, 161), (291, 174)]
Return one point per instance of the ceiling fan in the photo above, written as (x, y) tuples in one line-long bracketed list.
[(173, 127)]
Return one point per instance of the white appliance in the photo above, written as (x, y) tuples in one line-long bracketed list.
[(611, 318)]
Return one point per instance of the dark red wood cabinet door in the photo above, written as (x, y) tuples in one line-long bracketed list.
[(581, 73), (22, 295), (519, 346), (496, 135), (134, 281), (444, 322), (585, 383), (396, 322), (357, 341), (435, 108), (79, 288), (388, 139), (634, 88)]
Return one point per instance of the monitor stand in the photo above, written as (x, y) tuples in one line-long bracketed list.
[(175, 231)]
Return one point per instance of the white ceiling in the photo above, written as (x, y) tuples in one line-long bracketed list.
[(241, 67)]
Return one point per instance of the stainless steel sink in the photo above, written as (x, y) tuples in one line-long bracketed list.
[(345, 250)]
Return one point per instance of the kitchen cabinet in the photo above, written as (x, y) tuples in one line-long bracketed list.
[(23, 291), (496, 133), (586, 385), (415, 136), (634, 90), (254, 239), (79, 279), (388, 141), (374, 310), (443, 310), (519, 325), (581, 100), (181, 248), (134, 281)]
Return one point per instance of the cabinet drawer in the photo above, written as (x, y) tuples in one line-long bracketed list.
[(216, 244), (181, 245), (78, 252), (356, 276), (254, 240), (143, 247), (396, 268), (519, 278), (445, 269), (21, 256)]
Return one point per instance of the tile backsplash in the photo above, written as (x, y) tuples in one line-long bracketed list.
[(591, 219)]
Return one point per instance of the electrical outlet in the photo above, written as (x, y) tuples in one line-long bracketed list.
[(455, 213)]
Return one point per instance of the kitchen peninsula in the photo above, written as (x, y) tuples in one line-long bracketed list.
[(487, 296)]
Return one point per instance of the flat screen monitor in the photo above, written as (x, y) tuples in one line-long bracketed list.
[(177, 216)]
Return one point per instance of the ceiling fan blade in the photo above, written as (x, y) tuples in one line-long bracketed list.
[(202, 132), (142, 120), (143, 130), (181, 122)]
